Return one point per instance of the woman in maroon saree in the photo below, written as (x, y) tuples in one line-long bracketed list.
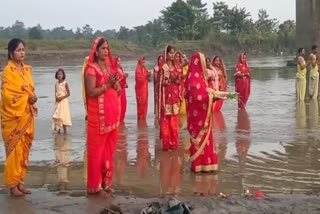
[(199, 113), (102, 91), (242, 81)]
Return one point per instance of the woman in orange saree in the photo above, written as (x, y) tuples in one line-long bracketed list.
[(199, 114), (156, 80), (17, 116), (141, 87), (170, 100), (122, 76), (103, 116), (220, 68), (242, 81)]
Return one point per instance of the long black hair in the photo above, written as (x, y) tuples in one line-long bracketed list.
[(63, 73), (12, 46)]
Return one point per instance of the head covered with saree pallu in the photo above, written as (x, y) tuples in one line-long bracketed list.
[(164, 73), (178, 58), (141, 73), (241, 61), (199, 109), (115, 62), (221, 66), (109, 104), (242, 81)]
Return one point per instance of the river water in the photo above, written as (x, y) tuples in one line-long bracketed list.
[(273, 146)]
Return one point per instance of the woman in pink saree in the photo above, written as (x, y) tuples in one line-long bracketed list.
[(242, 81), (122, 76), (199, 113), (102, 91), (220, 68)]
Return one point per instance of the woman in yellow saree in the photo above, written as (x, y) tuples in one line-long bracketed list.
[(17, 117)]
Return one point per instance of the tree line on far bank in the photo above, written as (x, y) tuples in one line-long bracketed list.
[(184, 22)]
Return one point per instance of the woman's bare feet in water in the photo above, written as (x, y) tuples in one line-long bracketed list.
[(22, 189), (14, 191)]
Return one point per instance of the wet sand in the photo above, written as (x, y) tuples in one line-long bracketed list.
[(272, 147), (44, 202)]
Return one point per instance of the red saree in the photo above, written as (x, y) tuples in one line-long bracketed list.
[(169, 100), (170, 173), (102, 127), (243, 142), (141, 87), (156, 85), (143, 154), (242, 81), (199, 114), (123, 83), (222, 73)]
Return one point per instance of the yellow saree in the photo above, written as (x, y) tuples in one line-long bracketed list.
[(17, 120)]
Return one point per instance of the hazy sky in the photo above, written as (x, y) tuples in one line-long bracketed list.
[(111, 14)]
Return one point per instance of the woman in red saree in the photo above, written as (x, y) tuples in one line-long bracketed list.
[(170, 99), (199, 113), (242, 81), (122, 76), (103, 116), (220, 68), (156, 80), (141, 76)]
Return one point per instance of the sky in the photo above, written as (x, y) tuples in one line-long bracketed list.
[(111, 14)]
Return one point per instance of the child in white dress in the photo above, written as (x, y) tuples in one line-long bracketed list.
[(61, 115)]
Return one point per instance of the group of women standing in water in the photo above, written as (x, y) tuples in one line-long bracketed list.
[(181, 86)]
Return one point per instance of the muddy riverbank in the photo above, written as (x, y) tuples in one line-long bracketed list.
[(44, 202)]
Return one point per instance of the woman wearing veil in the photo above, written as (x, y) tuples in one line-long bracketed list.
[(102, 90), (169, 99), (199, 113), (122, 76), (220, 68), (242, 80), (141, 77)]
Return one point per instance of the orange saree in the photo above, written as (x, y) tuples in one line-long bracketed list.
[(17, 121), (103, 118)]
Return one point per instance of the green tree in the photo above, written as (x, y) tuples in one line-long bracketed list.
[(78, 34), (179, 19), (264, 23), (237, 20), (201, 25), (18, 30), (35, 32), (286, 34), (123, 33), (87, 32), (220, 14)]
